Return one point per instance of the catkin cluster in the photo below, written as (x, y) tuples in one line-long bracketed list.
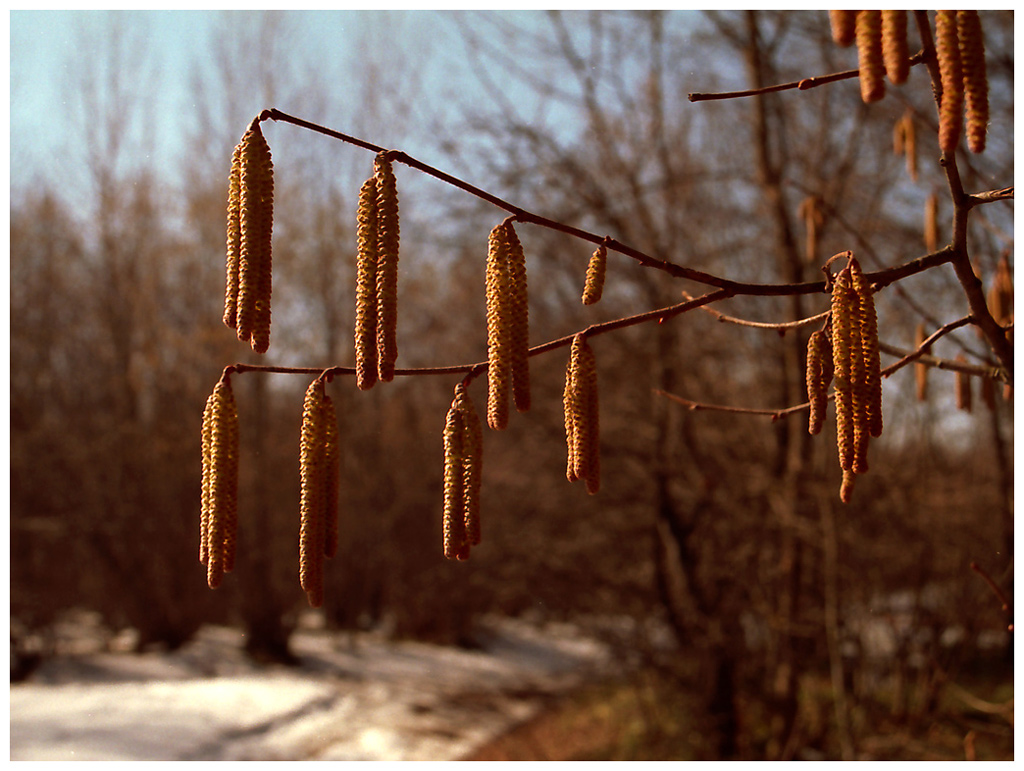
[(508, 326), (931, 222), (463, 467), (596, 269), (250, 226), (904, 142), (857, 372), (582, 429), (378, 236), (218, 519), (963, 386), (960, 49), (882, 51), (319, 485)]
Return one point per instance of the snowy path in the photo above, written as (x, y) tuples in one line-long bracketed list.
[(353, 698)]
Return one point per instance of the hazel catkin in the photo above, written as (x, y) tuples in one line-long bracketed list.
[(388, 237), (593, 287), (947, 51), (963, 387), (819, 377), (844, 27), (582, 430), (971, 41), (366, 286), (519, 318), (219, 505), (313, 494), (920, 370), (255, 223), (857, 372), (332, 478), (234, 238), (499, 342), (894, 46), (869, 55), (463, 469)]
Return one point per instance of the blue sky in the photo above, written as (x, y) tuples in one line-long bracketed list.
[(47, 50)]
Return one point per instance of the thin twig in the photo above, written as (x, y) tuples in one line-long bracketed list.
[(880, 278), (659, 315), (801, 85)]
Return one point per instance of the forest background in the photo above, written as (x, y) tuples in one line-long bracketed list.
[(717, 545)]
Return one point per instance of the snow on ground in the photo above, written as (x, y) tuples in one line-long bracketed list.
[(353, 697)]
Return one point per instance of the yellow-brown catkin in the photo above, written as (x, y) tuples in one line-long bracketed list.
[(811, 214), (234, 239), (256, 221), (580, 401), (519, 318), (454, 521), (904, 142), (472, 464), (366, 286), (869, 55), (499, 342), (819, 377), (931, 223), (844, 26), (1000, 294), (894, 46), (388, 237), (596, 269), (963, 387), (313, 494), (219, 510), (971, 40), (872, 385), (846, 489), (332, 477), (844, 325), (947, 50), (921, 370)]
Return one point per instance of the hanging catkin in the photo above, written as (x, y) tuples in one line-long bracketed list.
[(366, 286), (582, 430), (463, 467), (931, 223), (387, 267), (963, 386), (872, 368), (857, 372), (947, 50), (234, 240), (971, 41), (869, 55), (219, 506), (499, 329), (255, 227), (332, 480), (813, 218), (844, 26), (313, 494), (596, 269), (1000, 294), (921, 370), (904, 142), (894, 46), (519, 318), (819, 377)]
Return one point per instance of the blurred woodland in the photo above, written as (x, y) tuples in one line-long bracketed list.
[(717, 553)]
